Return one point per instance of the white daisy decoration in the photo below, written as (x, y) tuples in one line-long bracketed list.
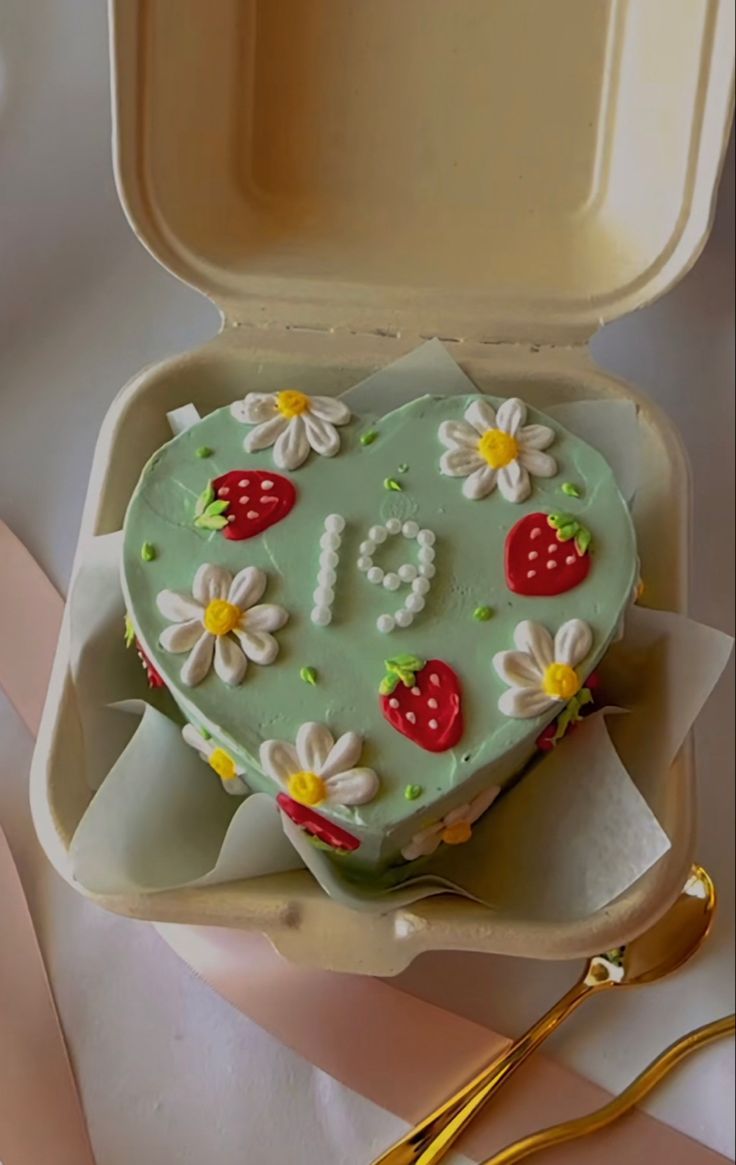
[(490, 449), (221, 621), (219, 760), (293, 423), (318, 770), (454, 829), (541, 673)]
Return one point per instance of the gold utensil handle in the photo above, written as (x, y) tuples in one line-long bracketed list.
[(629, 1098), (430, 1140)]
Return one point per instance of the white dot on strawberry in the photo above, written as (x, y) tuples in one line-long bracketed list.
[(533, 555), (570, 560), (432, 703), (415, 692), (434, 679), (536, 532), (244, 483), (411, 717), (268, 498), (552, 548), (223, 491), (252, 515), (551, 564), (433, 724), (244, 500), (266, 485), (531, 574), (393, 703)]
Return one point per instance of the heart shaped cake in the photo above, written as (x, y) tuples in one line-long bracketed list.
[(376, 620)]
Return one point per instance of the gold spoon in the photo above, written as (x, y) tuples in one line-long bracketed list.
[(629, 1098), (658, 952)]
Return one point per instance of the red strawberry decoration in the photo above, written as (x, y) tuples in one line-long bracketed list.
[(325, 831), (421, 699), (131, 639), (547, 554), (244, 502), (154, 679)]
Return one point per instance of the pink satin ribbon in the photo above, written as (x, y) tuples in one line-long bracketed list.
[(396, 1050)]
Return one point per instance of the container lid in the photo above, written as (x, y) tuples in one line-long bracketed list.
[(482, 169)]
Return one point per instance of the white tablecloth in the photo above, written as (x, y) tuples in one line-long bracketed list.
[(169, 1073)]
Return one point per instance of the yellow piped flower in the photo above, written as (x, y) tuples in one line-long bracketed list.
[(561, 681), (457, 834), (291, 403), (498, 448), (293, 423), (541, 672), (223, 764), (221, 617), (306, 788)]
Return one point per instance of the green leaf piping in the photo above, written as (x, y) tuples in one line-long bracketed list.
[(205, 498)]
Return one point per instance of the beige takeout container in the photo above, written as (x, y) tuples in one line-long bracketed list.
[(344, 179)]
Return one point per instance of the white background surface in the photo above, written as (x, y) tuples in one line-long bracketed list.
[(170, 1074)]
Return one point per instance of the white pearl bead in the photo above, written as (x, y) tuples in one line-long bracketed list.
[(330, 541), (367, 547), (365, 564), (426, 554), (391, 581), (385, 623), (323, 596), (420, 586), (326, 577), (329, 558), (426, 538), (393, 525), (321, 616), (408, 572), (404, 618), (410, 529), (375, 575), (415, 603), (377, 533), (427, 570), (335, 523)]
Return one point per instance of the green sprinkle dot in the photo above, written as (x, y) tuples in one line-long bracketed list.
[(369, 437), (390, 483), (148, 552), (403, 468), (483, 614), (308, 675), (204, 451), (572, 490), (411, 792), (205, 734)]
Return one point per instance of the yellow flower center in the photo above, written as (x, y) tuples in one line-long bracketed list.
[(561, 681), (457, 834), (307, 788), (221, 617), (291, 403), (223, 764), (498, 448)]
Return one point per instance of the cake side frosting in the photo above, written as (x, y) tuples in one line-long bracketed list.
[(423, 539)]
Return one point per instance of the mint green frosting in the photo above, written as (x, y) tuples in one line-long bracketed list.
[(348, 655)]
